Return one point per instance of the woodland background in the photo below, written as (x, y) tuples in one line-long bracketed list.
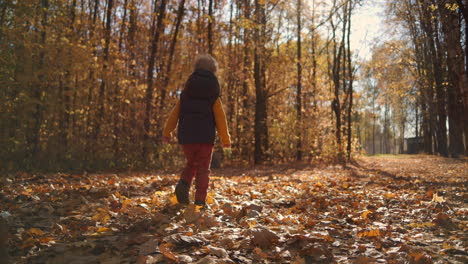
[(88, 84)]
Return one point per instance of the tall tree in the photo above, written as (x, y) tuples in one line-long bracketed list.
[(430, 29), (244, 123), (337, 65), (156, 31), (261, 127), (170, 58), (350, 78), (39, 89), (210, 27), (299, 83), (101, 99), (457, 76)]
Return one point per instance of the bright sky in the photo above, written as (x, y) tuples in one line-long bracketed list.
[(367, 28)]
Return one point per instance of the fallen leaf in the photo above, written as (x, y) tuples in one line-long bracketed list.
[(165, 249), (28, 243), (184, 259), (173, 200), (149, 247), (364, 260), (149, 259), (209, 198), (437, 199), (370, 233), (429, 194), (102, 216), (419, 258), (219, 252), (191, 213), (46, 240), (259, 254), (445, 221), (36, 231), (205, 222), (419, 225), (365, 214), (103, 229), (299, 260), (207, 260), (263, 237), (185, 241), (229, 210)]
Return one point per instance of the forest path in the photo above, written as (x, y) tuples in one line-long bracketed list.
[(383, 209)]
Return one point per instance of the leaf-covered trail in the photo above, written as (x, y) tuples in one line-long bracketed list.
[(392, 209)]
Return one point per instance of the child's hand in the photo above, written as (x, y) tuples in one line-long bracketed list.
[(166, 140)]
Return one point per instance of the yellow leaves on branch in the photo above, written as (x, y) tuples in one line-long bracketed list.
[(452, 7)]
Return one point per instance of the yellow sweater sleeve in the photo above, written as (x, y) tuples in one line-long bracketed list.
[(171, 122), (221, 122)]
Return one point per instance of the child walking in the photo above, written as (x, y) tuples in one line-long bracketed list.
[(197, 115)]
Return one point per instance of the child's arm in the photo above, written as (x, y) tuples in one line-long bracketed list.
[(221, 123), (171, 122)]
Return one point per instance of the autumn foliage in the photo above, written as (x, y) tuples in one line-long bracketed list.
[(87, 84)]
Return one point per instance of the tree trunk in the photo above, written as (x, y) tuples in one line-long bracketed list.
[(245, 123), (37, 115), (123, 27), (373, 134), (456, 72), (90, 128), (261, 128), (101, 99), (3, 7), (435, 61), (200, 26), (313, 94), (65, 91), (167, 74), (464, 89), (402, 137), (157, 30), (417, 119), (168, 71), (232, 64), (336, 104), (350, 80), (299, 85), (210, 27), (313, 50), (385, 128)]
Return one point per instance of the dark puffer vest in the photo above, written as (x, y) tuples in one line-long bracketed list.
[(196, 118)]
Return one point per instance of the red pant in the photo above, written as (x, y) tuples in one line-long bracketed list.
[(198, 165)]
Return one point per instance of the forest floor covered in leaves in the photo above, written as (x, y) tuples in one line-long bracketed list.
[(387, 209)]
